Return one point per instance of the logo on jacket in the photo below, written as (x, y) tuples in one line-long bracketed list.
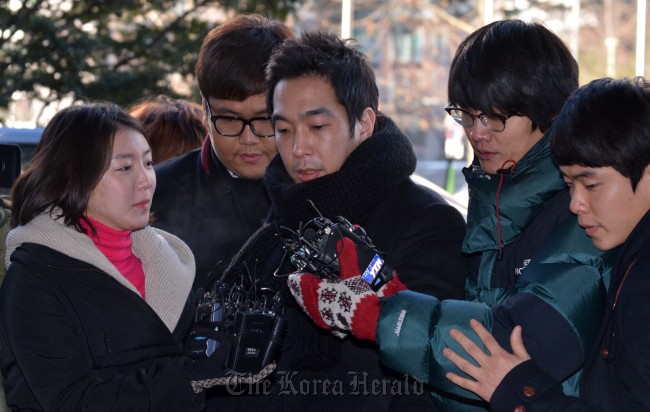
[(400, 320), (521, 269)]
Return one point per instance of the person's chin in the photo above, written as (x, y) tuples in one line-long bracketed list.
[(490, 162), (138, 218), (600, 242), (248, 172)]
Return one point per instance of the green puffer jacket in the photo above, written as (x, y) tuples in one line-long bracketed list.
[(530, 265)]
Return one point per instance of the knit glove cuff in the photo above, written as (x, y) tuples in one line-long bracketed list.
[(392, 287)]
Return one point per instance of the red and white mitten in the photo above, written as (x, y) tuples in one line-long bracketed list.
[(340, 306), (353, 256), (347, 304)]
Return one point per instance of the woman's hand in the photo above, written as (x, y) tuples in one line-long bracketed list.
[(492, 367)]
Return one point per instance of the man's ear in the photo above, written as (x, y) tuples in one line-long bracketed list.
[(367, 123)]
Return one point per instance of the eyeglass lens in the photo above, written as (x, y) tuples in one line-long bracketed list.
[(466, 119), (233, 126)]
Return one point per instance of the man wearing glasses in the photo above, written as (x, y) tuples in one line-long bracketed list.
[(530, 263), (213, 198), (601, 142)]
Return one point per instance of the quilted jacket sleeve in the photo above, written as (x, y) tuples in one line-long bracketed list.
[(413, 328), (558, 303)]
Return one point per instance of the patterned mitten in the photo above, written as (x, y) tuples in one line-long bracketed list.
[(339, 306), (353, 256), (347, 304)]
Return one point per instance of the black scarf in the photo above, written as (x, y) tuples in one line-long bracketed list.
[(372, 171)]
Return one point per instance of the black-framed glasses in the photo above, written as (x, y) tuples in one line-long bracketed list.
[(466, 119), (233, 126)]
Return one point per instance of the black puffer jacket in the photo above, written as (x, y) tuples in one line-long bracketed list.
[(75, 335), (419, 232), (213, 212)]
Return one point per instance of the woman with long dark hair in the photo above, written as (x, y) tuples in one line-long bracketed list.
[(96, 304)]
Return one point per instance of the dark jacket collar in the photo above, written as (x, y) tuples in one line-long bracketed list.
[(212, 166), (521, 197), (207, 155), (637, 241), (372, 170)]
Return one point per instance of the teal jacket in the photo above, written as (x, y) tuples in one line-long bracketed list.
[(530, 265)]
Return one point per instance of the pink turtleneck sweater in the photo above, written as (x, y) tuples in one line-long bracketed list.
[(116, 246)]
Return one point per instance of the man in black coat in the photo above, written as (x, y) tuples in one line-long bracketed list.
[(337, 153), (601, 142), (213, 198)]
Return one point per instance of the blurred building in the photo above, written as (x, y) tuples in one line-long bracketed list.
[(410, 44)]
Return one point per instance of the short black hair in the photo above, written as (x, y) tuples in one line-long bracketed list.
[(324, 55), (606, 124), (511, 67)]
